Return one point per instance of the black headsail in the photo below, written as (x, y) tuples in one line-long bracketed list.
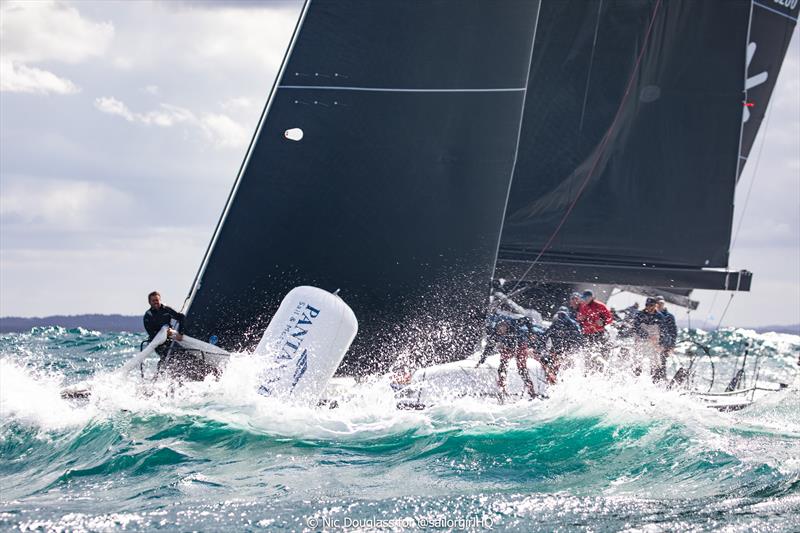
[(410, 115), (631, 133)]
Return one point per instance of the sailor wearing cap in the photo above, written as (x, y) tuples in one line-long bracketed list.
[(647, 327)]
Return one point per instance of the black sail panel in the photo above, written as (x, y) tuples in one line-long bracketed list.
[(771, 28), (630, 134), (410, 114)]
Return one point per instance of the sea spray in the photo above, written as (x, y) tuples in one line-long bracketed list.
[(602, 452)]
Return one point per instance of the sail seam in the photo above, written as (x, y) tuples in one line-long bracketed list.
[(762, 6), (400, 90)]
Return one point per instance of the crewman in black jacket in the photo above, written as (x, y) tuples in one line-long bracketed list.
[(160, 315), (177, 363)]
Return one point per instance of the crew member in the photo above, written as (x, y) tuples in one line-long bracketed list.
[(593, 317), (669, 329), (174, 361), (647, 327), (574, 305), (160, 315), (565, 337), (513, 341)]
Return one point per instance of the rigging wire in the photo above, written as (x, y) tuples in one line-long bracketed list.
[(601, 147), (764, 131), (710, 316), (725, 311), (755, 175), (744, 207)]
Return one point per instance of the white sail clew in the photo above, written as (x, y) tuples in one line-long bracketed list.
[(304, 344)]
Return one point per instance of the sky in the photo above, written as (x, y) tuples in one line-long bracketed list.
[(123, 124)]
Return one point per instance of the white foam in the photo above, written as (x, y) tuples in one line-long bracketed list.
[(368, 410), (35, 398)]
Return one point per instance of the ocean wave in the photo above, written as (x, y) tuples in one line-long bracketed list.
[(599, 444)]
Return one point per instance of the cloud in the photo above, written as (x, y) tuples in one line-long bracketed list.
[(112, 106), (219, 129), (22, 79), (32, 32), (112, 277), (211, 39), (134, 178), (239, 103), (223, 131), (61, 204), (50, 31), (166, 116)]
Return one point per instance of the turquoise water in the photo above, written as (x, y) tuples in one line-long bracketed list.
[(601, 454)]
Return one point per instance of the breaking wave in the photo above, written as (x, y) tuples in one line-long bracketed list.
[(600, 453)]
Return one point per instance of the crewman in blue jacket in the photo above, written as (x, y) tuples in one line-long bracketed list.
[(565, 337)]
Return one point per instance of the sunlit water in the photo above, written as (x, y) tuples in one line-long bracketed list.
[(602, 453)]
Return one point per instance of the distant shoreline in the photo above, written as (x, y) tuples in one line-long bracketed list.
[(792, 329), (97, 322)]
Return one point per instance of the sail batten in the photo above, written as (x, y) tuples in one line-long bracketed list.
[(403, 89)]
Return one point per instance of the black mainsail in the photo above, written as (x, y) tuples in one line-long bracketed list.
[(381, 167), (631, 134)]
